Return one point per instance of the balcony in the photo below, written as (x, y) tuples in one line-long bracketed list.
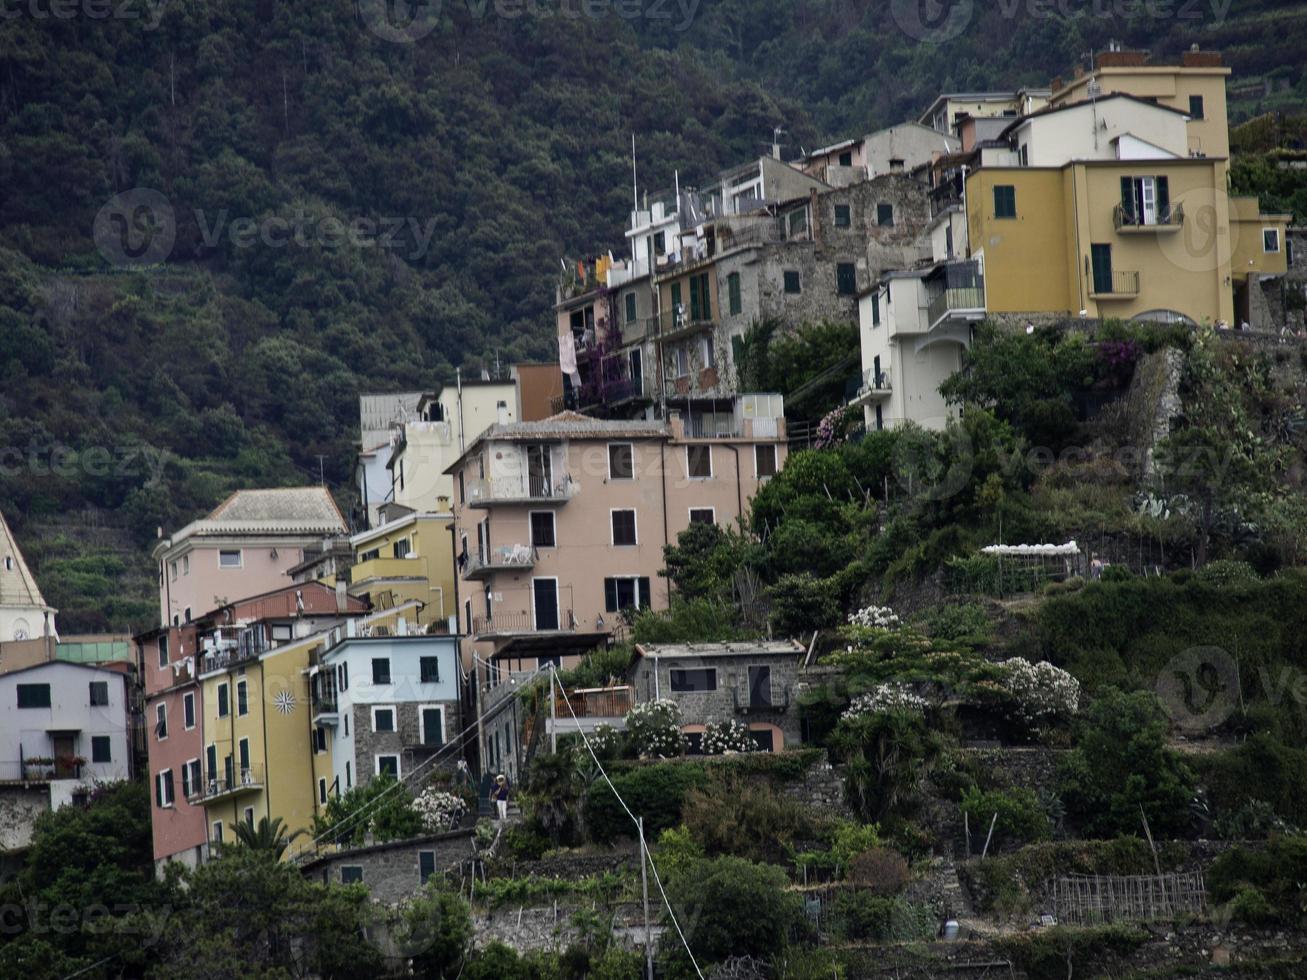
[(588, 710), (387, 569), (755, 704), (515, 557), (875, 387), (325, 709), (502, 625), (531, 489), (680, 322), (1117, 286), (228, 786), (1167, 219)]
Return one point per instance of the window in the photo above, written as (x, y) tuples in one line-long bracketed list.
[(846, 158), (764, 461), (1023, 155), (875, 309), (1145, 201), (698, 462), (624, 527), (188, 711), (217, 832), (793, 284), (431, 724), (380, 670), (426, 865), (660, 243), (388, 765), (163, 789), (1196, 108), (700, 298), (429, 670), (693, 679), (542, 529), (635, 359), (351, 874), (681, 358), (196, 778), (344, 676), (243, 750), (186, 614), (224, 705), (161, 721), (402, 548), (630, 307), (229, 559), (708, 352), (163, 650), (322, 791), (627, 593), (100, 751), (172, 569), (345, 722), (186, 564), (843, 216), (735, 302), (242, 698), (1271, 239), (99, 694), (703, 515), (383, 719), (1005, 201), (846, 278), (885, 214), (211, 760), (248, 816), (349, 779), (281, 632), (319, 739), (621, 461)]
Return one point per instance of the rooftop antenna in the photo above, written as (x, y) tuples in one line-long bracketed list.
[(776, 135), (635, 183), (1095, 90)]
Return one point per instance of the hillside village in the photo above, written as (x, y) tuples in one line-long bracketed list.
[(984, 660)]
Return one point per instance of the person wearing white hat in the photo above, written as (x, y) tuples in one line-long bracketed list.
[(500, 796)]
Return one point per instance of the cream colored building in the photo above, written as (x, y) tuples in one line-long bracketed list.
[(24, 615)]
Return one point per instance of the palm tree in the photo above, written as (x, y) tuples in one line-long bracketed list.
[(266, 837)]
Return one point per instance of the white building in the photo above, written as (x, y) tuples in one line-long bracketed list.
[(387, 704)]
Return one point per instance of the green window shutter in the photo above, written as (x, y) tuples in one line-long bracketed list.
[(875, 310), (694, 297), (733, 293), (630, 307), (646, 594), (1128, 199), (1163, 198)]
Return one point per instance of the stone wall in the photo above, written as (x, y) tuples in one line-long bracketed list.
[(405, 742), (19, 808), (391, 871)]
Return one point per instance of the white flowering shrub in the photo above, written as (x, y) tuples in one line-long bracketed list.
[(606, 741), (1042, 692), (654, 728), (886, 699), (879, 617), (439, 810), (720, 738)]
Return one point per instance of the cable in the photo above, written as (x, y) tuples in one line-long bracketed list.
[(644, 845)]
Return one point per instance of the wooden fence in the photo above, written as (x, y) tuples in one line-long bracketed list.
[(1097, 899)]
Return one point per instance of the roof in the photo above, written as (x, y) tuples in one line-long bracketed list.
[(17, 585), (1051, 110), (757, 648), (285, 510), (66, 664), (567, 425), (834, 147)]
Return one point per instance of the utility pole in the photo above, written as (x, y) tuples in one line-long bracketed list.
[(321, 477), (553, 714), (644, 887)]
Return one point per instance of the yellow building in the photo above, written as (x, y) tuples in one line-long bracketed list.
[(409, 558), (1113, 202)]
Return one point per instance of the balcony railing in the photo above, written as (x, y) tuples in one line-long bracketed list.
[(533, 488), (509, 557), (608, 702), (221, 785), (1169, 218), (1119, 285), (675, 322), (956, 299), (325, 708), (517, 623), (875, 386), (751, 705), (227, 657), (387, 568)]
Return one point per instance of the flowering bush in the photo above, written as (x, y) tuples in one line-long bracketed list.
[(834, 428), (719, 738), (439, 810), (654, 728), (886, 699), (880, 617), (1042, 692), (606, 741)]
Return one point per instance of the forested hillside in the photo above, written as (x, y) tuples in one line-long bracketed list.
[(469, 162)]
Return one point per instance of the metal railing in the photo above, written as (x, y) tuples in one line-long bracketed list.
[(521, 622), (956, 298), (509, 556), (719, 426), (1171, 216), (609, 702), (513, 489), (751, 705), (1120, 283), (224, 784)]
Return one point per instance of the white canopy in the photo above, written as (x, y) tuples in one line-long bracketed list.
[(1048, 550)]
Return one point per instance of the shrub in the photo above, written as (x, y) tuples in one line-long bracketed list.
[(886, 756), (1226, 572), (737, 909), (879, 870), (1042, 693), (435, 929), (879, 617), (732, 814), (886, 699), (382, 808), (876, 918), (438, 810), (654, 729), (803, 603), (1022, 818), (732, 736), (654, 791), (966, 623), (1264, 885)]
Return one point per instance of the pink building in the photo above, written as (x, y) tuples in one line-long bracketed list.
[(560, 526), (246, 546)]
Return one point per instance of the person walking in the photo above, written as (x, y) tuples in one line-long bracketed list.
[(500, 795)]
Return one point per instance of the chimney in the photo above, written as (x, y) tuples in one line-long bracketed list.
[(342, 600), (502, 413), (1194, 58)]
